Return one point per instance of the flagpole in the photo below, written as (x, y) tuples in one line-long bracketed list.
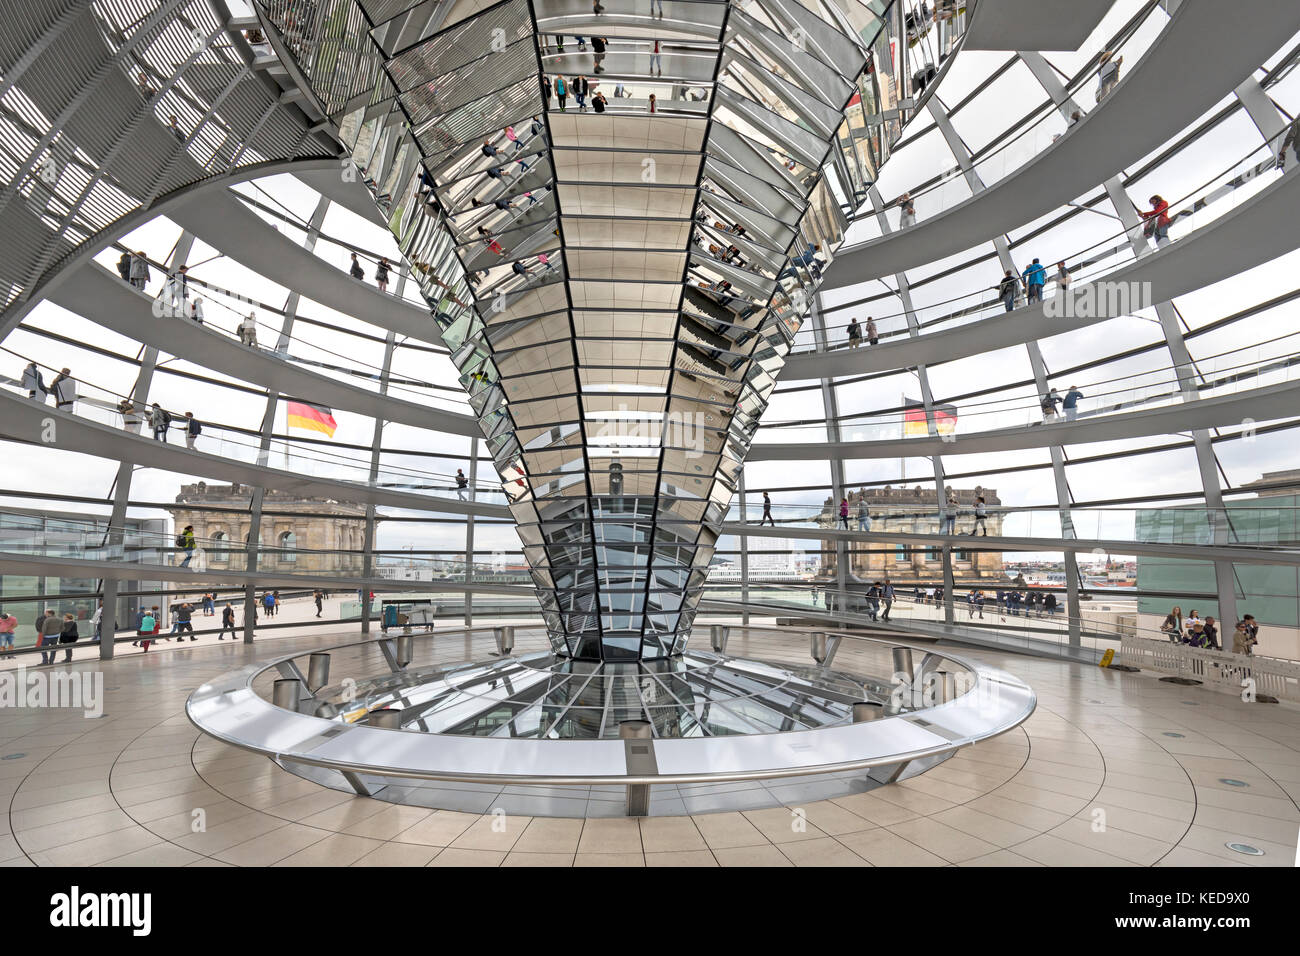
[(902, 461), (285, 405)]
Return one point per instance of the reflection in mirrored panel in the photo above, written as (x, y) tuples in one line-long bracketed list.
[(544, 696), (620, 222)]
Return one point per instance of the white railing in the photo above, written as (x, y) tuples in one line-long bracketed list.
[(1239, 673)]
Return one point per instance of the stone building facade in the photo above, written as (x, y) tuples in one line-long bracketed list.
[(913, 511), (1274, 483), (297, 533)]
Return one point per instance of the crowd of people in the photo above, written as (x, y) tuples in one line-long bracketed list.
[(52, 629), (861, 514), (1015, 602), (1031, 281), (160, 421), (1028, 287), (1195, 631), (582, 88), (148, 619), (148, 622), (56, 629), (504, 149)]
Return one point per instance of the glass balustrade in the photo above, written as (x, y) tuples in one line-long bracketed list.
[(101, 406), (1253, 523), (1227, 190), (1217, 376)]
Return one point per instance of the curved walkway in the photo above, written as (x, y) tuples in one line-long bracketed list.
[(1238, 554), (1258, 230), (267, 577), (20, 219), (105, 299), (681, 20), (1257, 404), (350, 195), (24, 420), (220, 219), (1010, 25), (1160, 95), (122, 789)]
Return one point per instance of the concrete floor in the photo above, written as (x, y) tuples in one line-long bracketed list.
[(1113, 769)]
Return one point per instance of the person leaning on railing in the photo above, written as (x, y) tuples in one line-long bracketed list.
[(1242, 640), (1211, 635), (130, 416), (1107, 73)]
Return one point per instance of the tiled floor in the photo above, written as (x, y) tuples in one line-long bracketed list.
[(1091, 779)]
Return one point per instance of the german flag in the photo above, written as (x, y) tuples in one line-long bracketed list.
[(914, 421), (312, 418)]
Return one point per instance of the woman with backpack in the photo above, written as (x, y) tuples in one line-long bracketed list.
[(381, 274), (227, 622), (64, 388), (140, 271), (1049, 402), (248, 330), (159, 421), (68, 635), (33, 382)]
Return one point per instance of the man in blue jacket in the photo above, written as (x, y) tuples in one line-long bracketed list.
[(1071, 403), (1035, 277)]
